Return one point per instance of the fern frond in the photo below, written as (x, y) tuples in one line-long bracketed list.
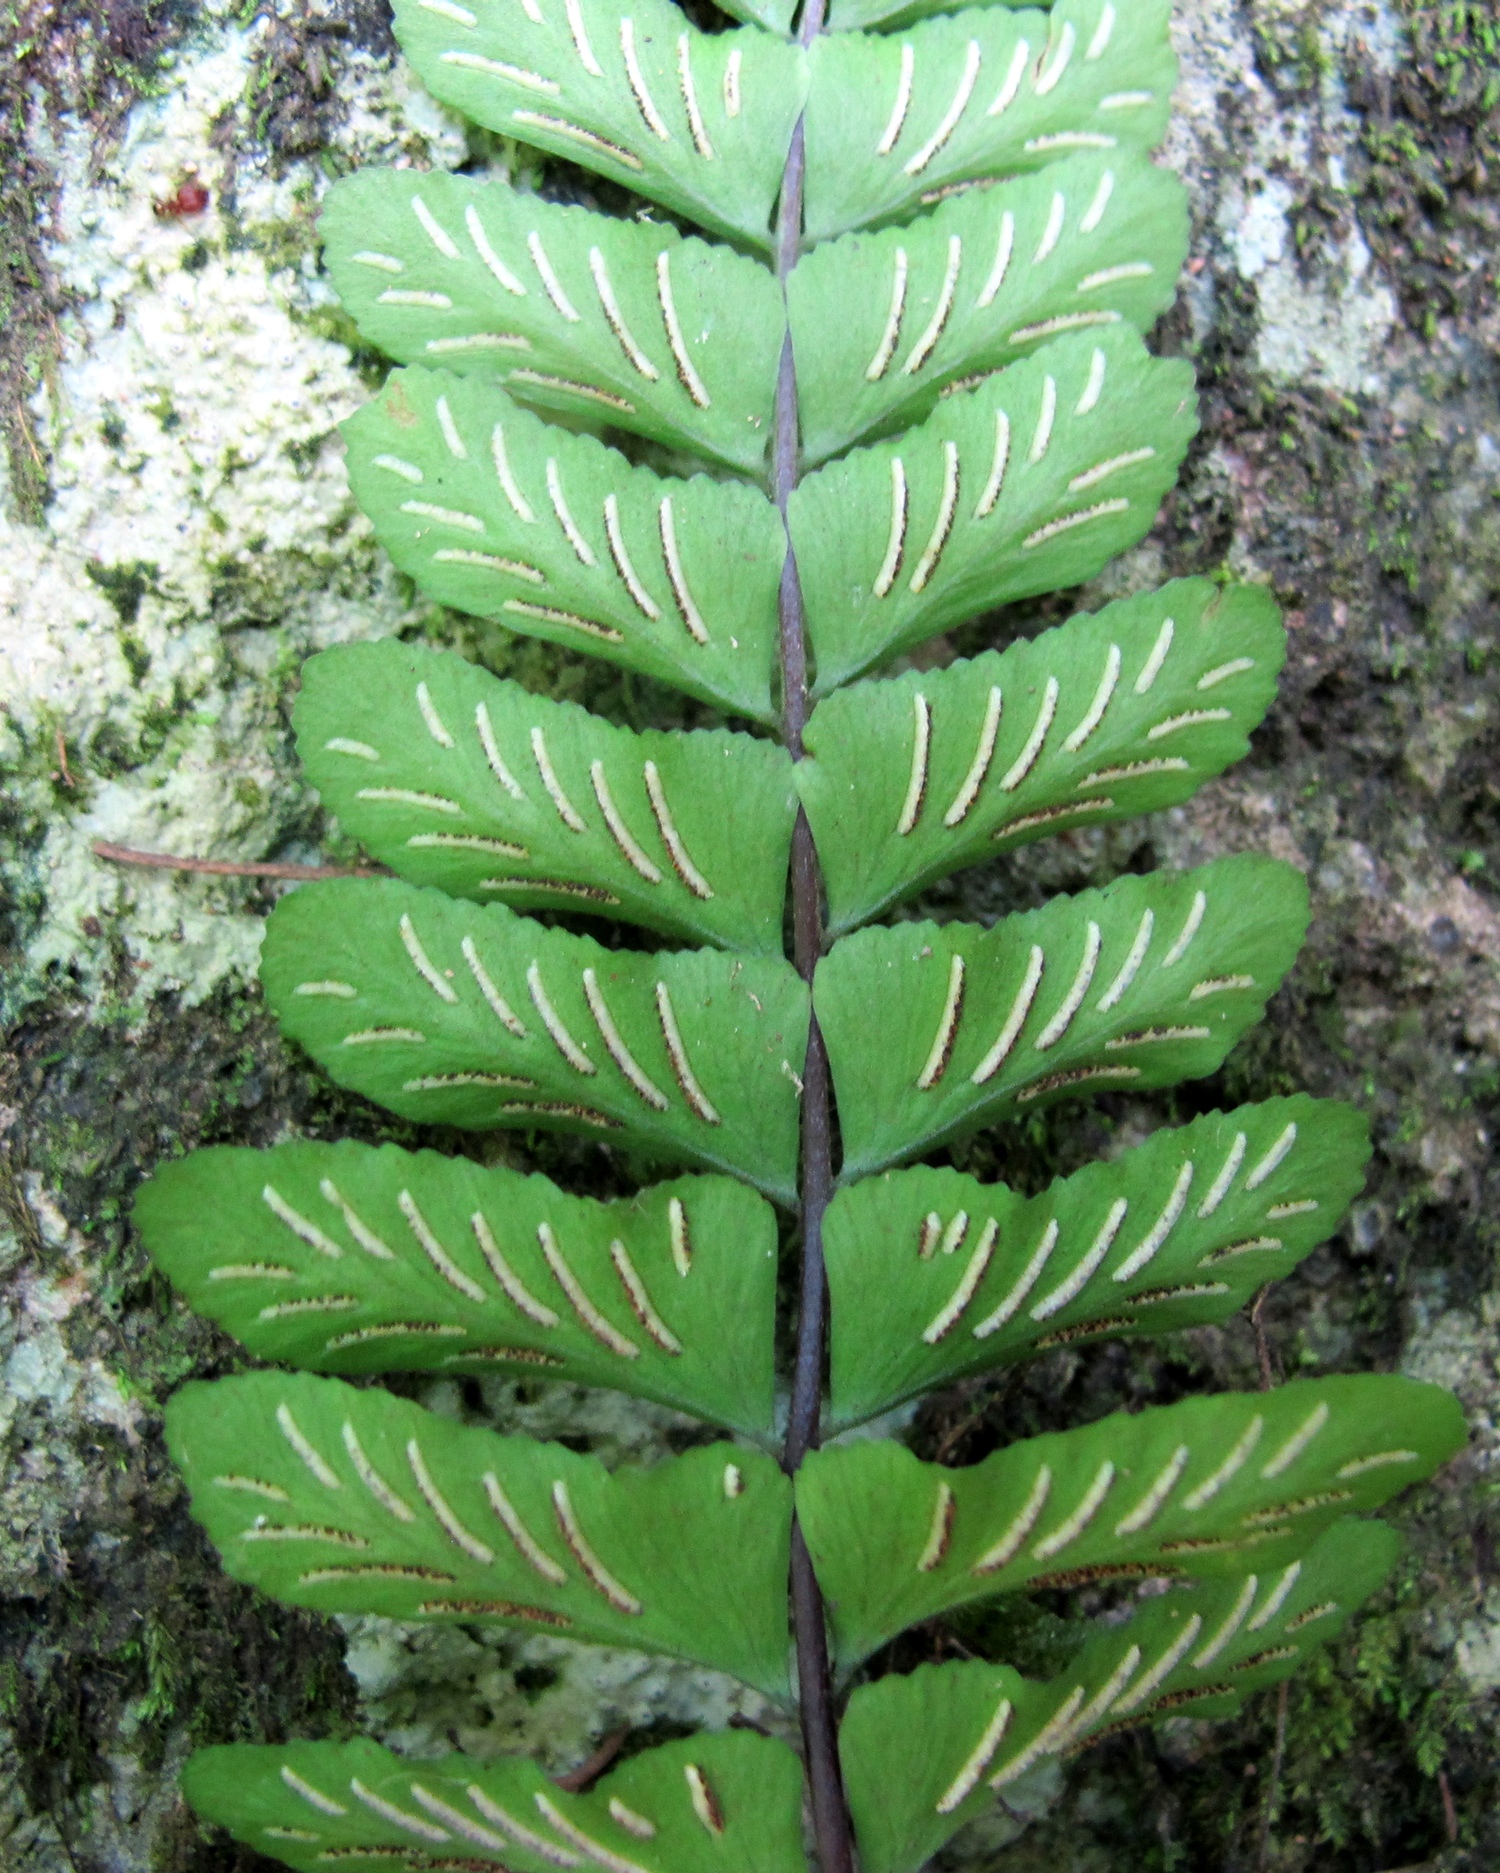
[(1149, 981), (1198, 1651), (457, 779), (699, 122), (937, 394), (999, 495), (883, 324), (895, 124), (1205, 1488), (454, 1014), (356, 1259), (497, 513), (1123, 712), (352, 1501), (593, 319), (934, 1276), (734, 1801)]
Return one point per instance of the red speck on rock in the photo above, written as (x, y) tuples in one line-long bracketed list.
[(191, 199)]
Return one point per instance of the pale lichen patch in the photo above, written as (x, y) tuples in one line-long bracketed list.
[(200, 540)]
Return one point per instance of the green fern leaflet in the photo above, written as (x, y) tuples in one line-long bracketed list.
[(797, 346)]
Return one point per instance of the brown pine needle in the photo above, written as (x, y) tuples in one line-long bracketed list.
[(232, 868)]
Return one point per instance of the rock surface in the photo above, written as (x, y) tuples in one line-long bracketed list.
[(178, 535)]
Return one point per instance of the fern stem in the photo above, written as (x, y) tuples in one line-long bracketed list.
[(819, 1721), (806, 879)]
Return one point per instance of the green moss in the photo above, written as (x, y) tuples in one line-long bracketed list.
[(125, 585), (335, 325), (1430, 165)]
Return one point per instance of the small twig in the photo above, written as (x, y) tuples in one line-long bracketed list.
[(36, 456), (1450, 1813), (231, 868), (1273, 1781), (1262, 1344), (944, 1642), (64, 772), (956, 1433), (576, 1781)]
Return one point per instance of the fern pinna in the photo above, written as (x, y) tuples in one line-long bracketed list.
[(908, 373)]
